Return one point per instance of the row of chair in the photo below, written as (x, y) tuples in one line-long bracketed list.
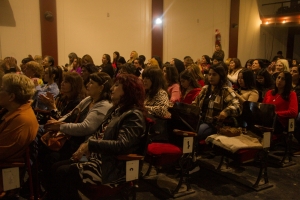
[(258, 117)]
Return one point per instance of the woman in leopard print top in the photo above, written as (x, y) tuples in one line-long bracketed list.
[(157, 100)]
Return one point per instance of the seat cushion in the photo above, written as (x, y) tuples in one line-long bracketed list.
[(159, 154), (246, 155)]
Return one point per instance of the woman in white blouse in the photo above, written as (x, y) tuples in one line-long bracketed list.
[(234, 68)]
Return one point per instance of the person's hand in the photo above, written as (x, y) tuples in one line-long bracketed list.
[(167, 115), (48, 100), (52, 125), (222, 116), (82, 150)]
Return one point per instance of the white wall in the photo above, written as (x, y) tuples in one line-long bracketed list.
[(249, 45), (20, 33), (96, 27), (84, 27), (189, 27)]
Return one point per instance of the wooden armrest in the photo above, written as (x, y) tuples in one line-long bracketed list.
[(42, 111), (8, 165), (184, 133), (262, 128), (130, 157)]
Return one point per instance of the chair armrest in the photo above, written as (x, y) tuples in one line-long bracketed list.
[(184, 133), (264, 129), (8, 165), (130, 157)]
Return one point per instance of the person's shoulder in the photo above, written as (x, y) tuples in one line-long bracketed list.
[(293, 93), (254, 91), (134, 112), (162, 92), (103, 103)]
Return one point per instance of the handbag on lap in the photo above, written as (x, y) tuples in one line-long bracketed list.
[(55, 140)]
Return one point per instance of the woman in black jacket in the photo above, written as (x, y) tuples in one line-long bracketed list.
[(120, 133)]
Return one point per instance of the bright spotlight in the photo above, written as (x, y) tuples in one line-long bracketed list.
[(158, 21)]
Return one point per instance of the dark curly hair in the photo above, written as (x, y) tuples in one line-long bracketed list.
[(135, 93)]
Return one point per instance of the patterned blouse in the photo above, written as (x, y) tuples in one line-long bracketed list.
[(158, 105), (224, 100)]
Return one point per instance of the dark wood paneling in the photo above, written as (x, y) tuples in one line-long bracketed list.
[(157, 30), (49, 28), (234, 28)]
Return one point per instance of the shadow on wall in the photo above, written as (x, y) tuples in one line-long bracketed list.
[(6, 14)]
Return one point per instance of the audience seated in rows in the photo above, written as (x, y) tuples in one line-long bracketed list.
[(92, 111), (120, 133)]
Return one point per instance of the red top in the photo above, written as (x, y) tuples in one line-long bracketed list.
[(201, 83), (284, 109), (190, 97)]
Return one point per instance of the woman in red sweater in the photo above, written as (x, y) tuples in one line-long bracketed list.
[(189, 87), (284, 99)]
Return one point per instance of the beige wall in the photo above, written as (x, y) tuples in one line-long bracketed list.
[(96, 27), (189, 27), (249, 45), (19, 28)]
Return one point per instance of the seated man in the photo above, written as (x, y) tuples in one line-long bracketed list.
[(18, 124)]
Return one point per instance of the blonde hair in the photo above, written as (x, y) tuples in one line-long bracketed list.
[(135, 56), (38, 59), (36, 67), (20, 85), (285, 64), (153, 62)]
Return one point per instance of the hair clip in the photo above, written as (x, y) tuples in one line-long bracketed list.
[(105, 82)]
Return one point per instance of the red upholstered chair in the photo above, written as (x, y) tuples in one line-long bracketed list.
[(178, 152), (260, 119), (124, 189), (23, 167)]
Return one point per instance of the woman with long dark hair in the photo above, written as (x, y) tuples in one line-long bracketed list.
[(171, 75), (216, 101), (264, 82), (106, 65), (189, 86), (116, 56), (295, 72), (246, 86), (157, 99), (284, 99)]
